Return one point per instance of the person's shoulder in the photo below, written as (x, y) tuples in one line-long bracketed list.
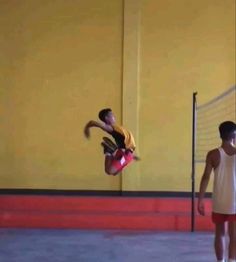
[(109, 128), (213, 153), (117, 128), (213, 157)]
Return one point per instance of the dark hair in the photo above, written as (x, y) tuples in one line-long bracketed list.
[(103, 113), (226, 129)]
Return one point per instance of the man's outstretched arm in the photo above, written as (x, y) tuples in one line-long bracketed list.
[(92, 123)]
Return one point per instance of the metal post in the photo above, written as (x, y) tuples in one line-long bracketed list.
[(193, 163)]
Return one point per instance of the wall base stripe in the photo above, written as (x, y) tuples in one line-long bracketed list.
[(100, 213)]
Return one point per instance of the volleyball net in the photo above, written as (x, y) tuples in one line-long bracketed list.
[(208, 117), (206, 120)]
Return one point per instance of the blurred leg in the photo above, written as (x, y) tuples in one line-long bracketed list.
[(232, 240), (219, 240)]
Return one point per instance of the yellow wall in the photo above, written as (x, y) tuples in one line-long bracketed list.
[(62, 61), (60, 64), (185, 47)]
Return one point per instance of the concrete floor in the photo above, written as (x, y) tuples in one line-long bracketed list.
[(27, 245)]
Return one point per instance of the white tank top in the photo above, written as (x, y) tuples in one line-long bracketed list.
[(224, 187)]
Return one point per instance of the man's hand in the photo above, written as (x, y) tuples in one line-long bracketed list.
[(201, 207)]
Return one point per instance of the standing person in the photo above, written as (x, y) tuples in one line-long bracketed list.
[(223, 161), (118, 155)]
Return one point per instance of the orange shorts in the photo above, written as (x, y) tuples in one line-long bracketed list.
[(121, 159), (221, 218)]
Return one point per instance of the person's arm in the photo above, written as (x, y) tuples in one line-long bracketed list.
[(204, 183), (101, 125)]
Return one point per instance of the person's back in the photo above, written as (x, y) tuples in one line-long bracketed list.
[(123, 137), (223, 161), (224, 187)]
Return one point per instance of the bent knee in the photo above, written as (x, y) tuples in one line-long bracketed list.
[(111, 171)]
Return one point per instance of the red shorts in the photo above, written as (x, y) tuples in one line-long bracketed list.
[(121, 159), (221, 218)]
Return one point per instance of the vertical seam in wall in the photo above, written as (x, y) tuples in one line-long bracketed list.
[(131, 69), (138, 72), (122, 62), (138, 82), (122, 75)]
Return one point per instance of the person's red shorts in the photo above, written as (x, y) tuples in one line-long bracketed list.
[(121, 159), (221, 218)]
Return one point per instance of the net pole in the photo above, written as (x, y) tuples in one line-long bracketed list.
[(193, 162)]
